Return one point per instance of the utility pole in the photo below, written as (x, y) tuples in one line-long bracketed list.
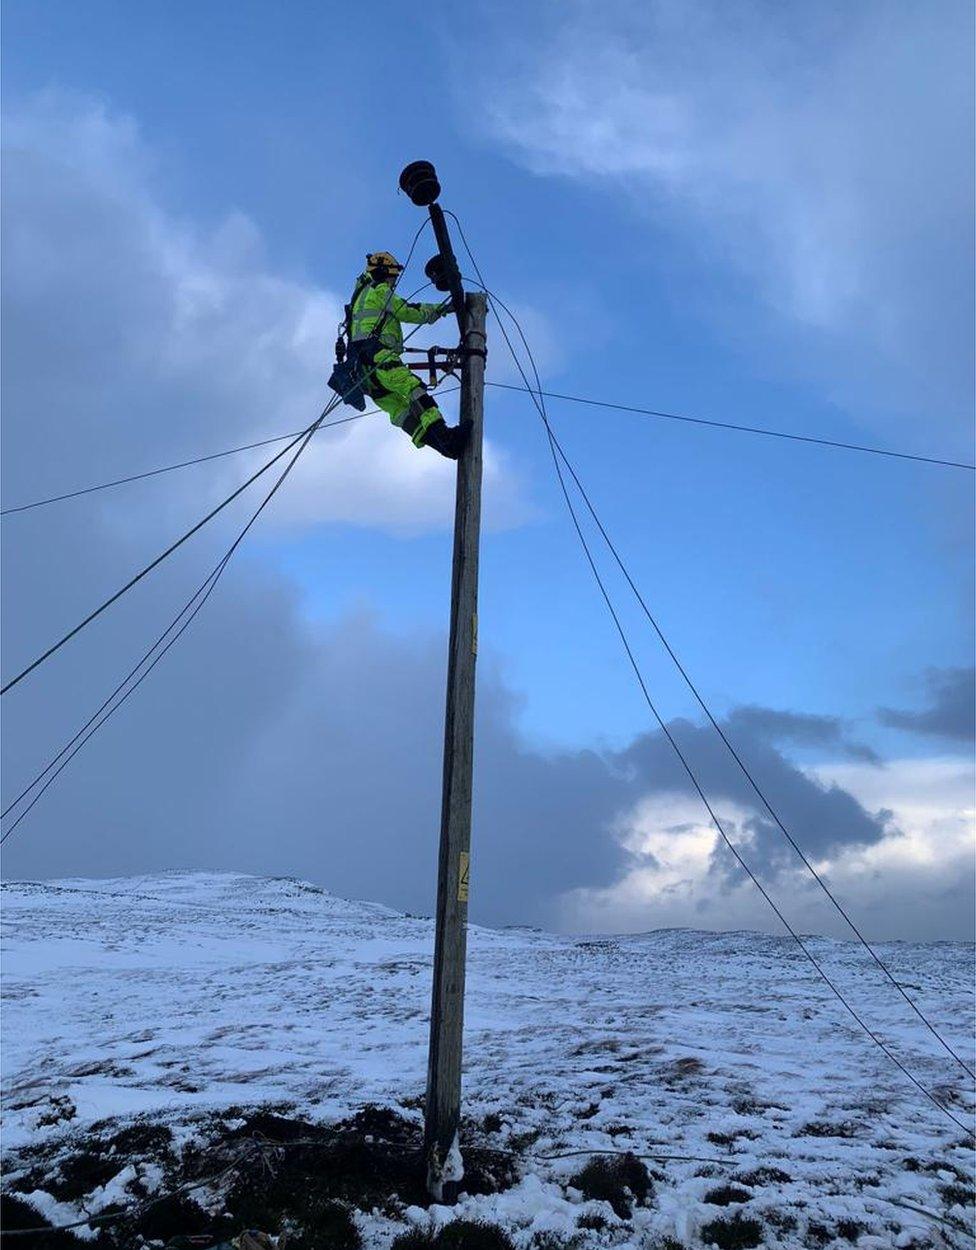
[(443, 1105)]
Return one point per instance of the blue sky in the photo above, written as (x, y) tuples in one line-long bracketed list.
[(763, 219)]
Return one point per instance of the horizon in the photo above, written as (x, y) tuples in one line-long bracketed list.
[(729, 220)]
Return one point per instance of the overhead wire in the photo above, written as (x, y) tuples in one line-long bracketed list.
[(744, 429), (740, 762), (107, 603), (185, 464), (98, 718), (109, 706), (148, 568), (535, 393), (170, 468), (113, 702)]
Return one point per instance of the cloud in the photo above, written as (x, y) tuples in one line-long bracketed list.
[(264, 741), (952, 710), (823, 154), (912, 883), (132, 336), (801, 728)]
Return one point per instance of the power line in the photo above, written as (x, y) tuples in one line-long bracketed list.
[(751, 779), (507, 386), (662, 724), (724, 737), (714, 817), (185, 464), (330, 407), (143, 572), (98, 719), (108, 707), (742, 429), (735, 754)]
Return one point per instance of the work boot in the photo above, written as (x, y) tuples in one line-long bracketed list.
[(449, 440)]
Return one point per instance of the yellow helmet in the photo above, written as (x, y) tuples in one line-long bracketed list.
[(376, 261)]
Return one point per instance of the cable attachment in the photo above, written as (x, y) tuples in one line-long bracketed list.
[(465, 349)]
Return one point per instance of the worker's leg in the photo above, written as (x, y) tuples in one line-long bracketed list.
[(400, 393)]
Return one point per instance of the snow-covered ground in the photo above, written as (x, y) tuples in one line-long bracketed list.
[(178, 995)]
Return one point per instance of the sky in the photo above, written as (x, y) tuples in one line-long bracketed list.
[(758, 214)]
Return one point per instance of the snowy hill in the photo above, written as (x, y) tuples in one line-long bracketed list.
[(190, 1000)]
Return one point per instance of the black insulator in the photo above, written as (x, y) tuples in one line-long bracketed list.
[(419, 181), (439, 272)]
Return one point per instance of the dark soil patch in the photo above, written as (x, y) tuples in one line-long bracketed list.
[(277, 1173), (725, 1195), (957, 1195), (850, 1230), (680, 1070), (175, 1216), (748, 1106), (822, 1128), (141, 1140), (618, 1179), (62, 1108), (80, 1173), (330, 1224), (592, 1220), (722, 1139), (371, 1160), (17, 1214), (764, 1176), (459, 1235), (734, 1233)]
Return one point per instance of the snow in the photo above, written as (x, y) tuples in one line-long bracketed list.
[(179, 994)]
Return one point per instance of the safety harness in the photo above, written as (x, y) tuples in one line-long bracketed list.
[(356, 353)]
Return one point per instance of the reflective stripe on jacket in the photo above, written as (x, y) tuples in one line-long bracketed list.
[(377, 309)]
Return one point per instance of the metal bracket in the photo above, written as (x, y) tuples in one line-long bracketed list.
[(445, 361)]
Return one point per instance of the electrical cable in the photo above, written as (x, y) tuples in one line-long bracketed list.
[(95, 722), (170, 468), (714, 722), (660, 721), (71, 748), (760, 794), (156, 562), (333, 403), (185, 464), (720, 827), (838, 906), (745, 429)]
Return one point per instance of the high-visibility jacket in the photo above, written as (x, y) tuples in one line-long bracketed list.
[(377, 311)]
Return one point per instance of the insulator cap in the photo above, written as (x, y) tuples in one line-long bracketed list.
[(419, 181), (437, 270)]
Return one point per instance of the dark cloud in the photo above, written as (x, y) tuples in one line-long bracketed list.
[(800, 728), (952, 707), (821, 818)]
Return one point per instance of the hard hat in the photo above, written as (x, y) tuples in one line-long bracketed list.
[(382, 260)]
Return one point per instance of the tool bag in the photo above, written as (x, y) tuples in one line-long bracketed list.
[(348, 376)]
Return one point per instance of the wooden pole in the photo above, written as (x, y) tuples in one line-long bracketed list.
[(443, 1107)]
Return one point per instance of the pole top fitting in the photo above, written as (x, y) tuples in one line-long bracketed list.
[(419, 181)]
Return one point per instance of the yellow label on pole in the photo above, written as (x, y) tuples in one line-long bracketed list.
[(464, 868)]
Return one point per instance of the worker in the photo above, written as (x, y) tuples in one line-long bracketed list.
[(376, 341)]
